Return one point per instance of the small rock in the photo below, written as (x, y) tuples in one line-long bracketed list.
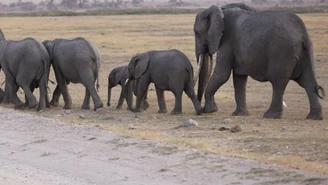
[(67, 111), (283, 128), (190, 122), (227, 120), (132, 127), (235, 129), (224, 128), (82, 116)]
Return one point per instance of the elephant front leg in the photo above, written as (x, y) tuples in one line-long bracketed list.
[(141, 94), (121, 100), (275, 110), (239, 82), (161, 100), (215, 82)]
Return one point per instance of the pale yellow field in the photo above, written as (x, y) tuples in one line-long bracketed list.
[(291, 141)]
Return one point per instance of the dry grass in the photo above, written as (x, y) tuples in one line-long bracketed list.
[(291, 141)]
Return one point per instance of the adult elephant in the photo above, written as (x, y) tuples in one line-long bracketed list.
[(76, 61), (25, 63), (168, 70), (268, 46), (119, 76)]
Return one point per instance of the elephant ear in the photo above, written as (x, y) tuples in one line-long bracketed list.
[(2, 36), (117, 76), (139, 64), (214, 17)]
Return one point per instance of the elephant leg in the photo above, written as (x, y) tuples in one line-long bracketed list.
[(120, 100), (239, 82), (89, 85), (86, 101), (161, 100), (191, 94), (11, 87), (145, 104), (216, 81), (55, 97), (178, 103), (6, 97), (24, 82), (315, 107), (275, 110), (141, 93), (62, 84)]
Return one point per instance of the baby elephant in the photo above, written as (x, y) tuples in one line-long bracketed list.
[(76, 61), (118, 76), (168, 70)]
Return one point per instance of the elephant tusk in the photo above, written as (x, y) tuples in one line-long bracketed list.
[(126, 81), (199, 65), (210, 68), (283, 102)]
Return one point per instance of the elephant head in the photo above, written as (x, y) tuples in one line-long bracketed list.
[(138, 66), (119, 76), (208, 30)]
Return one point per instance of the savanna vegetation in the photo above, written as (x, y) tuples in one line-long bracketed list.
[(292, 141)]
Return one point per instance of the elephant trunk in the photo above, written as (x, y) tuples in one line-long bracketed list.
[(109, 92), (205, 69)]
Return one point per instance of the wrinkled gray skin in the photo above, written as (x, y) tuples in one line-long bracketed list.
[(267, 46), (168, 70), (76, 61), (118, 76), (26, 64)]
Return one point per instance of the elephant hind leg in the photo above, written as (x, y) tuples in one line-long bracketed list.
[(310, 88), (160, 100), (24, 82), (189, 90), (178, 103), (276, 108), (239, 82), (90, 90), (86, 101)]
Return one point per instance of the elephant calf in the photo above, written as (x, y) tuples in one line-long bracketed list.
[(76, 61), (118, 76), (168, 70)]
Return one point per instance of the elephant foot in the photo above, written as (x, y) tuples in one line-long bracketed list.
[(135, 110), (67, 106), (145, 105), (315, 116), (240, 112), (120, 107), (199, 111), (40, 108), (272, 114), (20, 106), (210, 107), (108, 104), (54, 103), (176, 112), (98, 106), (85, 106), (33, 105), (162, 111)]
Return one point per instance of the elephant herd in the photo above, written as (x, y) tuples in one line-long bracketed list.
[(269, 46)]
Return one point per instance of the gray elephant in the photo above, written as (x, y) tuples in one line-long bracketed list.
[(26, 63), (118, 76), (76, 61), (267, 46), (168, 70)]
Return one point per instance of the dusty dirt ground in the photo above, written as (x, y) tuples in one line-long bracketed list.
[(36, 150), (291, 141)]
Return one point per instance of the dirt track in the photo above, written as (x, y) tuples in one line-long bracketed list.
[(36, 150)]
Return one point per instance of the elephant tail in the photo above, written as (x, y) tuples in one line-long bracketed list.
[(97, 59), (320, 92)]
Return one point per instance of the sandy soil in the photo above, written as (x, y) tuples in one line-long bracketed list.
[(36, 150)]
